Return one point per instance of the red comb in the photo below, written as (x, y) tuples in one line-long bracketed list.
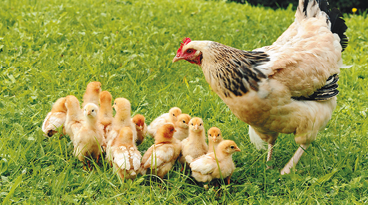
[(185, 42)]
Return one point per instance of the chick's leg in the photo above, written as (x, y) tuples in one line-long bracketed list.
[(294, 160)]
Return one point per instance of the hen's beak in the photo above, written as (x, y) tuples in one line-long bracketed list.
[(177, 59)]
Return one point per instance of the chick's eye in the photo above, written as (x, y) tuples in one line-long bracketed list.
[(200, 124), (210, 135), (232, 147), (183, 121), (192, 124), (93, 110), (173, 114)]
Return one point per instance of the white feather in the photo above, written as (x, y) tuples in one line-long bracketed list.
[(256, 140)]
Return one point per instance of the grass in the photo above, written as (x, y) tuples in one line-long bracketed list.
[(51, 49)]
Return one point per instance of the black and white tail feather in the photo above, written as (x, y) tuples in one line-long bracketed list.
[(337, 26)]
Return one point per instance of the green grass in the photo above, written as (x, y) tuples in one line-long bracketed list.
[(51, 49)]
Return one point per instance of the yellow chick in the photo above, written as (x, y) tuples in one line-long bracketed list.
[(195, 145), (214, 138), (161, 156), (55, 118), (105, 116), (141, 128), (126, 157), (205, 168), (170, 117), (182, 127), (122, 119), (73, 121), (92, 94), (89, 139)]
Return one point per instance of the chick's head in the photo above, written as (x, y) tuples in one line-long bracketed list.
[(183, 120), (138, 120), (125, 135), (214, 134), (196, 124), (94, 87), (90, 110), (122, 105), (105, 97), (228, 147), (165, 132), (71, 102), (59, 105), (174, 113)]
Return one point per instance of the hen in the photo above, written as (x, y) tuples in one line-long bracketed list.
[(288, 87)]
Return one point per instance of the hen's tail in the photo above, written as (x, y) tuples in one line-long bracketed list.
[(313, 8)]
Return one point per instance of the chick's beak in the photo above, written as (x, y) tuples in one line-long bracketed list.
[(195, 127), (237, 149), (177, 59)]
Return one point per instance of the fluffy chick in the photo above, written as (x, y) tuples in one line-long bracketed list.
[(73, 121), (105, 116), (122, 119), (195, 145), (92, 94), (182, 127), (170, 117), (205, 168), (161, 156), (126, 157), (141, 128), (55, 118), (89, 139), (214, 138)]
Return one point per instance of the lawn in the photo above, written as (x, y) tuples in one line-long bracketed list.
[(50, 49)]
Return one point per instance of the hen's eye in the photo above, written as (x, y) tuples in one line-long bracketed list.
[(189, 51), (232, 147)]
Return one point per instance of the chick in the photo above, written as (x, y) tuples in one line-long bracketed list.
[(195, 145), (55, 118), (182, 127), (89, 139), (105, 116), (92, 93), (73, 121), (214, 138), (126, 157), (205, 168), (122, 119), (163, 119), (141, 128), (161, 156)]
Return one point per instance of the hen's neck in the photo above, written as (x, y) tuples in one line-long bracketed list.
[(231, 71)]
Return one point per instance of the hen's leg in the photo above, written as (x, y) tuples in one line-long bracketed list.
[(294, 160), (269, 155)]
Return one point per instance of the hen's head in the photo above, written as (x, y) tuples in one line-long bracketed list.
[(214, 134), (188, 51), (138, 120)]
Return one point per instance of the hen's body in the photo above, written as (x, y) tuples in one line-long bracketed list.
[(288, 87)]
